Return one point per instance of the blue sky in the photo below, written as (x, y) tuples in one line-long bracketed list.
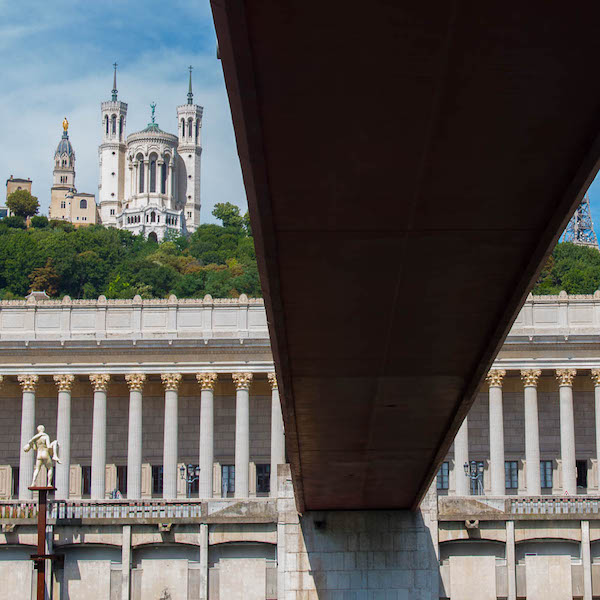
[(58, 62)]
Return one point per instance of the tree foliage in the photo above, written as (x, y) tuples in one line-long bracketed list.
[(575, 269), (89, 261), (22, 204)]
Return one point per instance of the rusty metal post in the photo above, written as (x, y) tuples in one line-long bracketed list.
[(41, 556)]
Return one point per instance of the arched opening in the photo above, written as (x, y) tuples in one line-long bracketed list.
[(83, 203), (114, 124), (190, 125), (182, 128), (140, 160), (153, 173), (153, 237), (121, 128), (163, 177), (152, 217), (106, 123)]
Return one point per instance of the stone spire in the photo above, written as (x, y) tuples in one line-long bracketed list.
[(190, 93), (114, 90)]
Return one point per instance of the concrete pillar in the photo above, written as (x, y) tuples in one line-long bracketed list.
[(511, 565), (126, 563), (207, 383), (135, 381), (567, 431), (63, 434), (277, 433), (586, 560), (99, 382), (204, 561), (596, 380), (498, 478), (171, 382), (26, 460), (532, 431), (462, 483), (242, 433)]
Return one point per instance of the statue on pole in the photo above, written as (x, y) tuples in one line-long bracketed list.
[(47, 453)]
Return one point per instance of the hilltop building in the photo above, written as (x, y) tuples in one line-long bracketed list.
[(66, 203), (150, 180), (14, 184)]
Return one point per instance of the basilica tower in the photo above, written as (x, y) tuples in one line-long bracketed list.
[(189, 149), (111, 189)]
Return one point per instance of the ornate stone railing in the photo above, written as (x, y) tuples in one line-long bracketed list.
[(131, 320), (155, 510), (490, 508)]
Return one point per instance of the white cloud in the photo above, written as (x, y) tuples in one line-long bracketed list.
[(51, 76)]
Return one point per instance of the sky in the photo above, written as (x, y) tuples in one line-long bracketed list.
[(58, 60)]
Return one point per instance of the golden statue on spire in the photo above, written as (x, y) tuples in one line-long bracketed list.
[(65, 124)]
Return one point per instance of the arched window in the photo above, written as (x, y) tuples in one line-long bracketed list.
[(121, 128), (114, 124), (153, 175), (83, 203), (190, 125), (197, 130), (106, 123), (182, 128), (163, 178), (152, 217), (141, 176)]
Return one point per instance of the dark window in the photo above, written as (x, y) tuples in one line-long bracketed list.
[(114, 124), (122, 479), (582, 467), (546, 474), (120, 128), (263, 479), (163, 178), (153, 176), (86, 481), (15, 482), (227, 480), (511, 474), (182, 128), (443, 476), (152, 217), (190, 128), (106, 119), (83, 203), (157, 480), (141, 182)]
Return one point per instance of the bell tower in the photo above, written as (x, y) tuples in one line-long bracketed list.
[(111, 153), (189, 150)]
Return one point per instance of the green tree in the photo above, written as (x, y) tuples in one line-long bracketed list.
[(22, 203), (39, 221), (45, 279), (15, 222), (228, 214)]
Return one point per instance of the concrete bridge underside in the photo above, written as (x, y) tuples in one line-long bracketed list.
[(408, 165)]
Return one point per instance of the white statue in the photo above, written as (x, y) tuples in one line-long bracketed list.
[(47, 453)]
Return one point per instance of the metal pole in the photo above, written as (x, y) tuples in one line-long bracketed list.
[(41, 545)]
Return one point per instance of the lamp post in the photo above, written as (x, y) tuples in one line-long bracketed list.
[(189, 474), (474, 471)]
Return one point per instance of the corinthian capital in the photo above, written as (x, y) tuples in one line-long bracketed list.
[(28, 382), (135, 381), (530, 376), (100, 381), (565, 376), (207, 381), (495, 377), (171, 381), (64, 382), (273, 380), (242, 380)]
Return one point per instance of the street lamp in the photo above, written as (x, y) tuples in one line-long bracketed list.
[(474, 471), (189, 474)]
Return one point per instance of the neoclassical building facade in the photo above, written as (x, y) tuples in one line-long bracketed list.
[(173, 482), (150, 180)]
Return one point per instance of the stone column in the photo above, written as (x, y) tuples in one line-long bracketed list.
[(99, 382), (63, 434), (511, 563), (277, 433), (126, 563), (498, 477), (26, 460), (596, 380), (171, 382), (532, 432), (207, 383), (204, 561), (567, 430), (135, 381), (462, 483), (242, 433)]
